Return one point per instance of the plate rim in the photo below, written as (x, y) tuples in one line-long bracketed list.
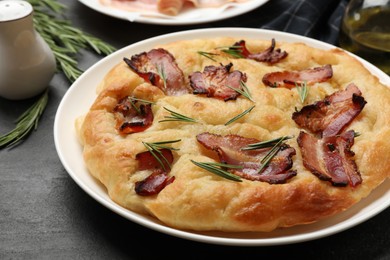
[(195, 236), (125, 15)]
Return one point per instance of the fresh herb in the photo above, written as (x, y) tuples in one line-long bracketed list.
[(176, 117), (244, 91), (218, 169), (240, 115), (27, 122), (266, 144), (155, 150), (161, 73), (235, 51), (208, 55), (268, 157), (132, 99), (302, 90), (65, 41), (274, 143)]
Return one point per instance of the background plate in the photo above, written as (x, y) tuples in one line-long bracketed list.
[(192, 16), (83, 93)]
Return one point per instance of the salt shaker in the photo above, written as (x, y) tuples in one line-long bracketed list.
[(27, 63)]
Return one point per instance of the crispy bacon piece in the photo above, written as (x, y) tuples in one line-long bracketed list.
[(131, 120), (159, 68), (214, 82), (270, 55), (330, 158), (289, 79), (159, 178), (331, 115), (229, 150)]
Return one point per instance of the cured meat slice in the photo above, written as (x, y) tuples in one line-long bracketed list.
[(132, 118), (290, 79), (159, 178), (230, 150), (218, 82), (330, 158), (159, 68), (270, 55), (331, 115)]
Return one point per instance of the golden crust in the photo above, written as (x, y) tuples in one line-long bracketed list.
[(199, 200)]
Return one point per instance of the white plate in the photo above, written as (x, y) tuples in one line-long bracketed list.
[(189, 16), (81, 95)]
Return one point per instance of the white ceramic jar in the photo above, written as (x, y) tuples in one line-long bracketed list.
[(27, 63)]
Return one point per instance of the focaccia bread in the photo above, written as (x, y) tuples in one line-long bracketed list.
[(162, 116)]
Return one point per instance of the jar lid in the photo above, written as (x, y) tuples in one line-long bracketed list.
[(14, 10)]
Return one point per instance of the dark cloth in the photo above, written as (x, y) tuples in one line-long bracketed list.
[(312, 18), (318, 19)]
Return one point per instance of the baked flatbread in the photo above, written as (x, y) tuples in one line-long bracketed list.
[(279, 157)]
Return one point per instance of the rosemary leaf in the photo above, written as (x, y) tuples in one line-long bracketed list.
[(27, 122), (245, 91), (217, 168), (240, 115), (235, 51), (177, 117), (161, 73), (272, 152), (265, 144), (302, 91), (208, 55), (155, 150)]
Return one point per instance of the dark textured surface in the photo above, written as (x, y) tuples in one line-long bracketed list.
[(45, 215)]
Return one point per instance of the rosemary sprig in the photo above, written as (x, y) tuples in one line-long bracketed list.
[(217, 168), (266, 144), (155, 149), (65, 41), (240, 115), (244, 91), (132, 99), (161, 73), (177, 117), (274, 143), (25, 123), (208, 55), (268, 157), (235, 51), (302, 90)]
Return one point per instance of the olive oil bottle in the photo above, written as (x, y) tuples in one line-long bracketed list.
[(366, 33)]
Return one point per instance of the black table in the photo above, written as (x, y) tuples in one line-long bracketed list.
[(44, 214)]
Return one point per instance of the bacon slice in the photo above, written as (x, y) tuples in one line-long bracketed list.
[(229, 150), (215, 82), (289, 79), (331, 115), (159, 68), (159, 178), (270, 55), (330, 158), (131, 120)]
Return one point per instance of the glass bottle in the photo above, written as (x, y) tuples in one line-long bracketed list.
[(365, 31)]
